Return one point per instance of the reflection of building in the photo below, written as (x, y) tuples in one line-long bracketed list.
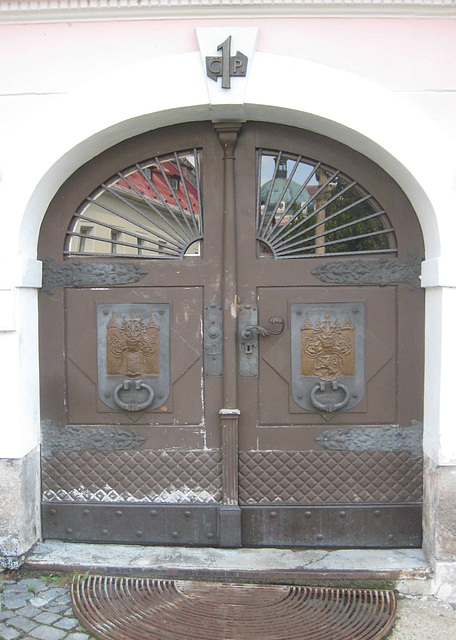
[(151, 211), (307, 209)]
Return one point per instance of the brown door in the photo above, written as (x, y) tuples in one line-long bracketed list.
[(312, 473), (174, 411)]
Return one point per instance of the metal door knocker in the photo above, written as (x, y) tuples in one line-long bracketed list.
[(327, 355), (133, 355), (329, 407), (138, 385)]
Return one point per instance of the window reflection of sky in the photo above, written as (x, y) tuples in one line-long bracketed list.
[(301, 174)]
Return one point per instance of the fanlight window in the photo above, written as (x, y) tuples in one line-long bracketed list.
[(306, 209), (150, 210)]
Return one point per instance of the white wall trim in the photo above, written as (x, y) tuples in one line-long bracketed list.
[(35, 11), (370, 119)]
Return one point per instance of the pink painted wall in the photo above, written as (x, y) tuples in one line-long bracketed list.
[(403, 54)]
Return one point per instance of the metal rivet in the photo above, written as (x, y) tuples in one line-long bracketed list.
[(52, 512), (320, 536), (213, 305), (342, 514), (220, 308), (248, 306), (106, 312), (308, 514), (188, 514), (161, 312), (85, 512), (354, 395), (139, 534), (299, 396), (391, 537), (355, 310), (105, 532), (299, 313), (107, 395), (273, 514), (119, 514), (160, 396), (377, 513), (69, 530), (153, 513), (210, 536), (174, 534)]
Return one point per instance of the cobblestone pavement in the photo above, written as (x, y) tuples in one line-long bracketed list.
[(34, 608), (38, 609)]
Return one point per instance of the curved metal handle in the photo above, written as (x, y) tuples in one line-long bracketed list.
[(133, 406), (330, 407), (262, 331)]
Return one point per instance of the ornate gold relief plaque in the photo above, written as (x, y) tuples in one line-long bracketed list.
[(133, 355), (327, 355), (132, 346), (327, 348)]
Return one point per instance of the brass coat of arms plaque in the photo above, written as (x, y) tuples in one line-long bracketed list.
[(133, 355), (327, 355)]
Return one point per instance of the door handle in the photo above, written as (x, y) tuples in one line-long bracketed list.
[(262, 331)]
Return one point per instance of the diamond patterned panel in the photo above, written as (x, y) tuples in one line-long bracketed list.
[(324, 477), (133, 476)]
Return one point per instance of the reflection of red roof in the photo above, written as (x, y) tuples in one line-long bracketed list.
[(137, 180), (312, 189)]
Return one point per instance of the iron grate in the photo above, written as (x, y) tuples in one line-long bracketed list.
[(114, 608)]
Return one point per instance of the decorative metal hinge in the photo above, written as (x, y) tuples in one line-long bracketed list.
[(372, 272), (213, 340), (89, 274)]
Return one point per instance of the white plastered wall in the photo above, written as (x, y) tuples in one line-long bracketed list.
[(41, 152)]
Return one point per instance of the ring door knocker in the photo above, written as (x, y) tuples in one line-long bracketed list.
[(133, 355), (329, 407), (138, 385)]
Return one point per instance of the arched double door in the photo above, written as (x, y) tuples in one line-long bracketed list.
[(232, 345)]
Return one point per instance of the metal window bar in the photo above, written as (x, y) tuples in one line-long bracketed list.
[(282, 195), (168, 230), (268, 197), (179, 247), (330, 217), (282, 232), (338, 253), (171, 231), (116, 194), (198, 176), (352, 223), (187, 196), (276, 227), (191, 238), (287, 240), (339, 241), (110, 241), (282, 237), (176, 199)]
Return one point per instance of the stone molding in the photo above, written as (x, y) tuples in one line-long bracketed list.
[(32, 11)]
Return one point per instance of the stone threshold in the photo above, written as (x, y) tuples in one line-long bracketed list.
[(270, 565)]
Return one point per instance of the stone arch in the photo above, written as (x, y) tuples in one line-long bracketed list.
[(370, 119)]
